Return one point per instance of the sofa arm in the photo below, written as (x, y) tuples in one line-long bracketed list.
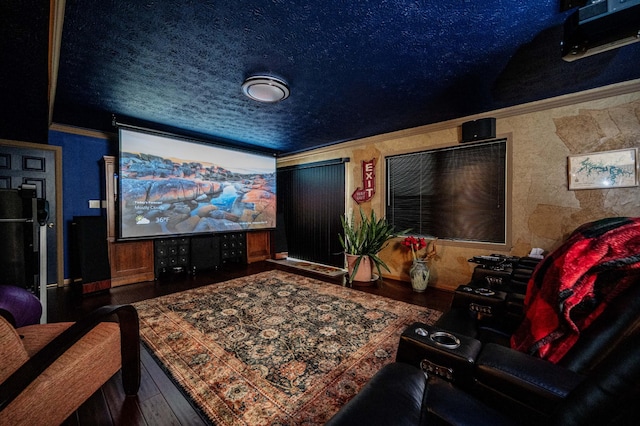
[(38, 363), (519, 381)]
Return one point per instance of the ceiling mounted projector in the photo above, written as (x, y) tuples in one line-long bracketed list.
[(600, 25)]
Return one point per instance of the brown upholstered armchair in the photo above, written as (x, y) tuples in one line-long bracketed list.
[(48, 370)]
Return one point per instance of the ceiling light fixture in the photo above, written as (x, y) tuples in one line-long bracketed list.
[(264, 88)]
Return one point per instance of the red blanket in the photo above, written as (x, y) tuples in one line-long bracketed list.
[(575, 283)]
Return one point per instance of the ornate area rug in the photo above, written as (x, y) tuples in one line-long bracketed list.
[(274, 348)]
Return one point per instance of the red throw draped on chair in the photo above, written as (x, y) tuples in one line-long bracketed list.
[(575, 283)]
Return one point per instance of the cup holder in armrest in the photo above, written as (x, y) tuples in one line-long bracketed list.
[(445, 340), (484, 291)]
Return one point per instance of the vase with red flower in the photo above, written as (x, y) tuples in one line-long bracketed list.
[(419, 274), (419, 271)]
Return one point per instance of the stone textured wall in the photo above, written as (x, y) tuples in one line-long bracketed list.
[(543, 210)]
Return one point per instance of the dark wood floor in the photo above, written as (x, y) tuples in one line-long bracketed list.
[(159, 401)]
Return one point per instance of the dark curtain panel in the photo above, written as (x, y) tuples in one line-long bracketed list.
[(311, 200), (454, 193)]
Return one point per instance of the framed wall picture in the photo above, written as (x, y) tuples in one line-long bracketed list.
[(606, 169)]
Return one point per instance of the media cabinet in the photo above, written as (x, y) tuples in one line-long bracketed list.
[(198, 252)]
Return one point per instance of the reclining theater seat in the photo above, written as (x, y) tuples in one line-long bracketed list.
[(587, 294), (591, 285), (581, 299), (48, 370)]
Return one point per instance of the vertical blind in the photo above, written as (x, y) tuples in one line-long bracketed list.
[(311, 199), (456, 193)]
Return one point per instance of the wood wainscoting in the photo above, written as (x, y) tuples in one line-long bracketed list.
[(258, 246), (130, 261)]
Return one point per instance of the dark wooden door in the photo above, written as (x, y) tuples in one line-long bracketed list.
[(31, 165)]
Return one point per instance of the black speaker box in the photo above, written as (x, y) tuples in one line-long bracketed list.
[(171, 255), (280, 235), (205, 252), (477, 130), (90, 253)]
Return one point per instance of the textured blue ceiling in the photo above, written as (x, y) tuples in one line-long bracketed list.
[(355, 68)]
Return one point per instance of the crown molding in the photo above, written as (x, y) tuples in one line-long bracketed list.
[(81, 131)]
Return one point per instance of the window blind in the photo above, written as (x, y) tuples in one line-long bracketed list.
[(456, 193)]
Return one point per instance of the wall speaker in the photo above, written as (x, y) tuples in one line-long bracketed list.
[(476, 130)]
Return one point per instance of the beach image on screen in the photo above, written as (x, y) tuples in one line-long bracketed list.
[(173, 187)]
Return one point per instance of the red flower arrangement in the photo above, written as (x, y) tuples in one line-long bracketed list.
[(417, 244), (414, 244)]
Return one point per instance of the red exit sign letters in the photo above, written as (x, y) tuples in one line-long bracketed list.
[(368, 189)]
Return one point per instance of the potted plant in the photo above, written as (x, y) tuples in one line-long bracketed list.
[(363, 241)]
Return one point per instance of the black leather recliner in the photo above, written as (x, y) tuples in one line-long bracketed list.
[(621, 317), (526, 386), (521, 384)]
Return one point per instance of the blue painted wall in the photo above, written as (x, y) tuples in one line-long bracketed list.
[(81, 177)]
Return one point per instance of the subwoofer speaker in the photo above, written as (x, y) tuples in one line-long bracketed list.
[(280, 235), (477, 130), (205, 252), (90, 253)]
